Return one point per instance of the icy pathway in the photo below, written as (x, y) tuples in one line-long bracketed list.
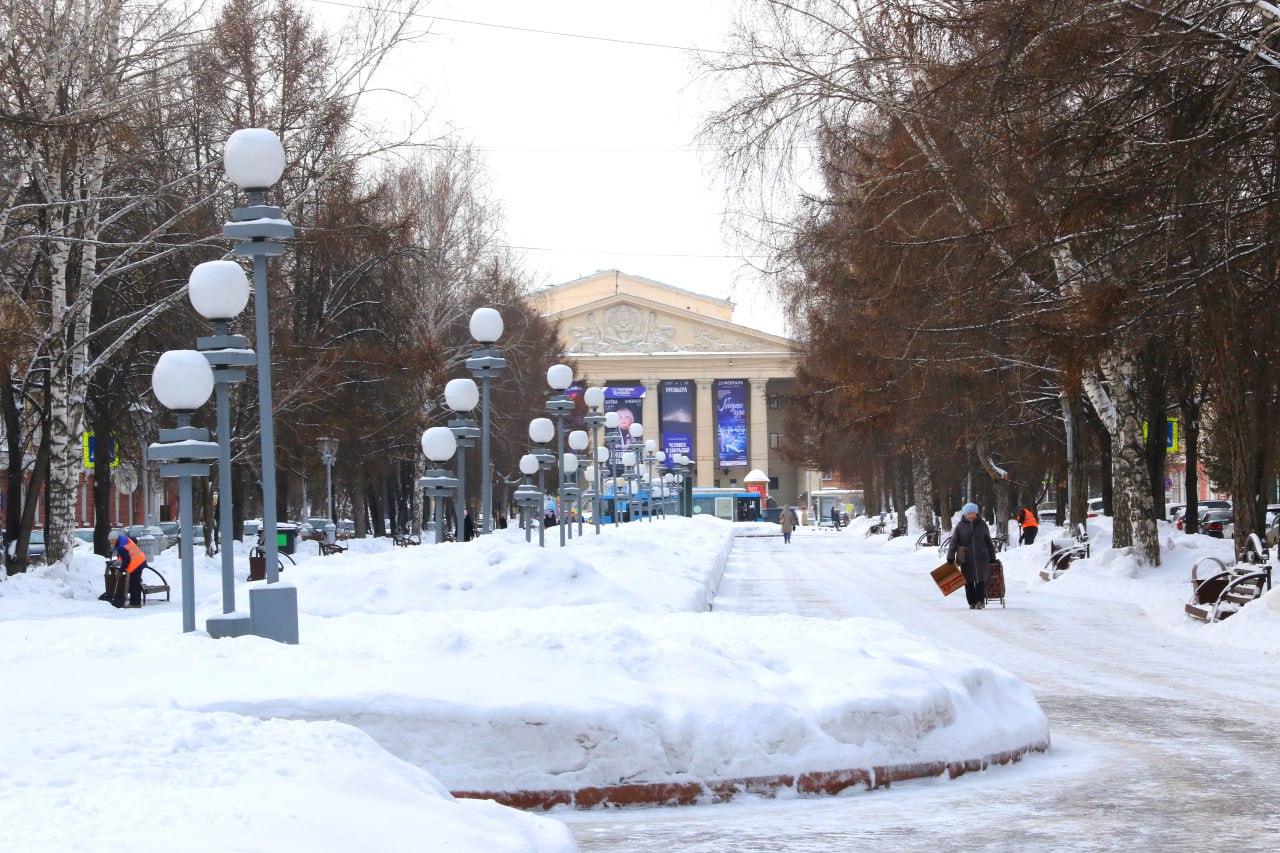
[(1160, 743)]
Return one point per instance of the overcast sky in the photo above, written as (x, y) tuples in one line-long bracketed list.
[(590, 142)]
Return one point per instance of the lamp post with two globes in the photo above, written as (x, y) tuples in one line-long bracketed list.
[(560, 377), (578, 441), (182, 382), (219, 291), (528, 495), (438, 445), (254, 161), (594, 398), (541, 431), (461, 395), (485, 364)]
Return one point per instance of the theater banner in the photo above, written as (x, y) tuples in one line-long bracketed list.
[(675, 403), (731, 422), (628, 402)]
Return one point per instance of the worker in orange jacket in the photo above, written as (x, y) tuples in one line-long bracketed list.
[(1030, 526), (133, 561)]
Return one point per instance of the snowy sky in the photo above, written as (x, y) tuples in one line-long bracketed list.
[(590, 141)]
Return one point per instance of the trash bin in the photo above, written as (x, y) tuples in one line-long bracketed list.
[(287, 538)]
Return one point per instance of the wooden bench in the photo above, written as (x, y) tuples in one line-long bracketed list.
[(328, 549), (1062, 552), (154, 588), (1228, 588), (405, 541)]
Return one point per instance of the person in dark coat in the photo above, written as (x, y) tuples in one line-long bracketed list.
[(972, 534), (468, 526)]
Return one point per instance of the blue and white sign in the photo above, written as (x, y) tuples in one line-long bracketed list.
[(731, 421)]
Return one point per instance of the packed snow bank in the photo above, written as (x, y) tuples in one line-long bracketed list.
[(491, 666), (153, 779)]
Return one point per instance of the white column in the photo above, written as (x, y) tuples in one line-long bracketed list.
[(649, 411), (758, 431), (705, 443)]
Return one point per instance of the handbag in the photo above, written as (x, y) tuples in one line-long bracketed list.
[(961, 553)]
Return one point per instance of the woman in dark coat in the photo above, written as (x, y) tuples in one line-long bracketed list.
[(973, 535)]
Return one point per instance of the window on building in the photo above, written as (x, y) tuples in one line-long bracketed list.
[(775, 441)]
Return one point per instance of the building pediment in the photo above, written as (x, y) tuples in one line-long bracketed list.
[(630, 324)]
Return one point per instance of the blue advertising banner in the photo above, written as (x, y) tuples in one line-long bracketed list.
[(675, 401), (626, 400), (731, 421)]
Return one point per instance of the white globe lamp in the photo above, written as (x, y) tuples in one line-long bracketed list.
[(182, 380), (461, 395), (218, 290), (439, 444), (486, 325), (253, 158)]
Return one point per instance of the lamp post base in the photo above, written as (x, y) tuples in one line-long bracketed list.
[(273, 611), (229, 625)]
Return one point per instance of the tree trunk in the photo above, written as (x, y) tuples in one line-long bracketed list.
[(923, 477), (1133, 520)]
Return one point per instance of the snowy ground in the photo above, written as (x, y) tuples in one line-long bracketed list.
[(1163, 728), (488, 666)]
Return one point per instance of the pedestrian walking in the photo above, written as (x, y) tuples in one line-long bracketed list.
[(835, 516), (132, 560), (971, 548), (1030, 525), (788, 524)]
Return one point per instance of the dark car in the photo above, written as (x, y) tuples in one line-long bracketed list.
[(1218, 523), (35, 547)]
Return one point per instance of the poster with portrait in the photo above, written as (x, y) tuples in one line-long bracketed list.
[(731, 422), (675, 405), (628, 402)]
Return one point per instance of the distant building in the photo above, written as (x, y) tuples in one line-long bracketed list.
[(696, 381)]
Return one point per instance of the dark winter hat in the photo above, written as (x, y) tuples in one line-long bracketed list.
[(968, 508)]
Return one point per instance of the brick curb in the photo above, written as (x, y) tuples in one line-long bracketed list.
[(693, 793)]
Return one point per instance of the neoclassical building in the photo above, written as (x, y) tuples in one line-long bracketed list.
[(698, 382)]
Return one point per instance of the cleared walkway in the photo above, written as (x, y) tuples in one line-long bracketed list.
[(1160, 743)]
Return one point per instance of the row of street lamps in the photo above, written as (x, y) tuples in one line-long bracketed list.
[(183, 380), (649, 491)]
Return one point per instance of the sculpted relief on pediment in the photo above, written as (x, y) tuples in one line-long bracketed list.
[(628, 328)]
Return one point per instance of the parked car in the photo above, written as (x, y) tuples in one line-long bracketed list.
[(170, 531), (1047, 516), (1096, 507), (35, 547), (84, 534), (346, 529), (1218, 523), (1201, 507)]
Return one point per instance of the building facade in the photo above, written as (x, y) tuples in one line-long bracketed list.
[(699, 383)]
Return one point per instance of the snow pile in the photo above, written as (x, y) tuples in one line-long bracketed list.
[(484, 666)]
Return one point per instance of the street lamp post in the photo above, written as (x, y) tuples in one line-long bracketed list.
[(569, 489), (637, 433), (438, 445), (254, 161), (329, 454), (560, 377), (594, 398), (650, 456), (541, 431), (219, 291), (485, 364), (461, 395), (630, 475), (182, 381), (602, 456), (578, 441), (527, 494)]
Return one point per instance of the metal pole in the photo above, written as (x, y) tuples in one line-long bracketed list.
[(224, 500), (460, 510), (542, 509), (560, 476), (185, 518), (265, 416), (486, 486), (598, 482), (328, 487)]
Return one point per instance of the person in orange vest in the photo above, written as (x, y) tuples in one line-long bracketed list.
[(1030, 527), (133, 561)]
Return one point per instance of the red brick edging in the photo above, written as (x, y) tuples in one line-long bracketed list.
[(693, 793)]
